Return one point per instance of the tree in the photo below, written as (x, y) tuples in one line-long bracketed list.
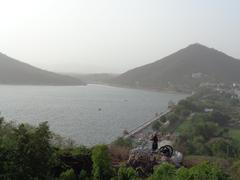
[(7, 146), (127, 174), (189, 105), (220, 147), (156, 125), (101, 163), (42, 150), (33, 152), (235, 170), (125, 142), (182, 174), (185, 113), (164, 171), (163, 119), (173, 118), (219, 118), (83, 175), (207, 171), (68, 175)]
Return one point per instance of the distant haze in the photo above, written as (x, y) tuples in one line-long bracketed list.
[(112, 36)]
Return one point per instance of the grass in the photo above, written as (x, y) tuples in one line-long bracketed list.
[(235, 133), (185, 123), (192, 160)]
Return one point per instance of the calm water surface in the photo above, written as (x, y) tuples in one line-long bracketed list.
[(88, 114)]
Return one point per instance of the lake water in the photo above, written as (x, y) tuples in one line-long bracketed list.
[(88, 114)]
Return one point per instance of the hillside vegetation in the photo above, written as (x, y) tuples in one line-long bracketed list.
[(184, 70)]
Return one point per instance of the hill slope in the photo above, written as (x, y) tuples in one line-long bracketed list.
[(97, 78), (17, 73), (186, 68)]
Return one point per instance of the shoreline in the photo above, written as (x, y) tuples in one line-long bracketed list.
[(142, 89), (141, 116), (146, 125)]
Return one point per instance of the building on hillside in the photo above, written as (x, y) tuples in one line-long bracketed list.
[(197, 75), (208, 110)]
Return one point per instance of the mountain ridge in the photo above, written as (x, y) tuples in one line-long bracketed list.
[(181, 69), (15, 72)]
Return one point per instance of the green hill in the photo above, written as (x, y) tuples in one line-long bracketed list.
[(183, 70)]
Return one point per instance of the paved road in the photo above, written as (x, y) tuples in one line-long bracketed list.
[(145, 125)]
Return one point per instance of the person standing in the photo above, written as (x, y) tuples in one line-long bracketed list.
[(155, 142)]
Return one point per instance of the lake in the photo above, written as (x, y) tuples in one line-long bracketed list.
[(88, 114)]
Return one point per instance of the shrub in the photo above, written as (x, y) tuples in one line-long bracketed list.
[(164, 171), (235, 170), (156, 125), (127, 142), (182, 174), (185, 113), (81, 150), (83, 175), (127, 174), (202, 171), (208, 171), (163, 119), (119, 153), (33, 152), (101, 163), (220, 147), (173, 118), (68, 175)]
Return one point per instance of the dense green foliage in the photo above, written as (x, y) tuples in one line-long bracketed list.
[(127, 174), (28, 152), (235, 170), (182, 174), (199, 135), (156, 125), (206, 171), (203, 171), (68, 175), (164, 171), (101, 163), (205, 129)]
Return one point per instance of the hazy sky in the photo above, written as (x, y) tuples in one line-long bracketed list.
[(113, 35)]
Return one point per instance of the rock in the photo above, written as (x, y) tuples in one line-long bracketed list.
[(144, 160), (177, 158)]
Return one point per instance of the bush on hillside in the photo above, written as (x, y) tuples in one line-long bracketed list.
[(235, 170), (68, 175), (156, 125), (164, 171), (126, 142), (101, 163), (127, 174)]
